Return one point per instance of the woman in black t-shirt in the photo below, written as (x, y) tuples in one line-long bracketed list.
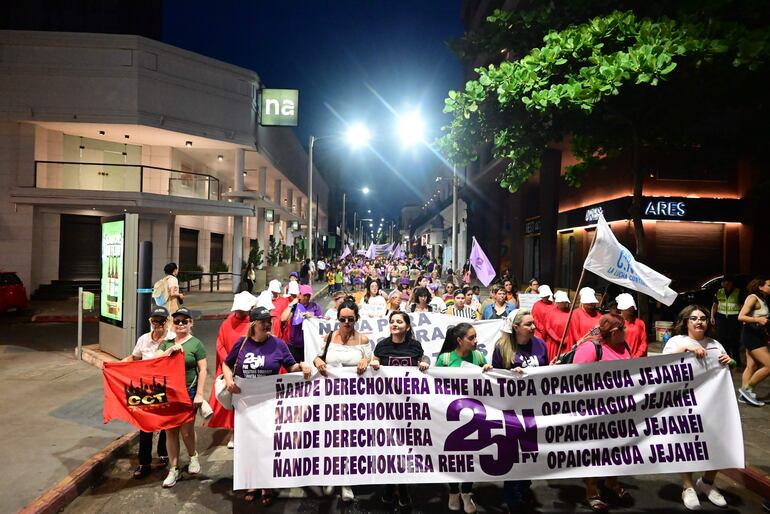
[(400, 349)]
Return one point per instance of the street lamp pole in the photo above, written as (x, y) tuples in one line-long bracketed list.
[(454, 218), (342, 232), (310, 198)]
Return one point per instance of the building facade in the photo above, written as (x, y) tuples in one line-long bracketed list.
[(94, 125)]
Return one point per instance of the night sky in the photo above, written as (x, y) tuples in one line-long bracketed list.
[(335, 53)]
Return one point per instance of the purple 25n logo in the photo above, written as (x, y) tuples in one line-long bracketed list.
[(518, 437)]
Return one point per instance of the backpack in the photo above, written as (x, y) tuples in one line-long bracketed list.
[(160, 293), (569, 357), (476, 357)]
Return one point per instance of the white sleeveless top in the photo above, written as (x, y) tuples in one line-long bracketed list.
[(347, 355), (762, 310)]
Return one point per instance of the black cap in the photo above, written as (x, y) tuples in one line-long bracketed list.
[(183, 311), (260, 313), (159, 312)]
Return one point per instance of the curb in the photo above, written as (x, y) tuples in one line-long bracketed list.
[(74, 484), (750, 478)]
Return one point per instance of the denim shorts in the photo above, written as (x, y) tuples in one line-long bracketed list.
[(191, 391)]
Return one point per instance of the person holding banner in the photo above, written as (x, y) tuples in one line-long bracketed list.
[(374, 299), (195, 378), (146, 347), (611, 345), (300, 309), (259, 354), (755, 336), (345, 347), (515, 350), (693, 330), (501, 308), (460, 349), (399, 349)]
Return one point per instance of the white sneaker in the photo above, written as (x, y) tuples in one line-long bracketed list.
[(195, 466), (711, 492), (173, 476), (751, 397), (347, 494), (690, 499), (469, 506), (454, 501), (231, 445)]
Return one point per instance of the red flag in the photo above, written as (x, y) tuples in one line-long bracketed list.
[(150, 394)]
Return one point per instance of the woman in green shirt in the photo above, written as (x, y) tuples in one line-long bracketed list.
[(195, 375), (460, 347)]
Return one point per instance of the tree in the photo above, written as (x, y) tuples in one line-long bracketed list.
[(274, 253), (255, 255), (615, 84)]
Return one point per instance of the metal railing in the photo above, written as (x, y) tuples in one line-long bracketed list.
[(92, 176)]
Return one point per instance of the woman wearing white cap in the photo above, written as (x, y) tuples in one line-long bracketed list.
[(585, 317), (555, 323), (636, 330), (232, 328), (541, 309)]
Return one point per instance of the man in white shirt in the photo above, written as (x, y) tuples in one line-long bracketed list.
[(145, 348)]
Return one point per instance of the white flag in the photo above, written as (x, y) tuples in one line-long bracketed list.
[(611, 260)]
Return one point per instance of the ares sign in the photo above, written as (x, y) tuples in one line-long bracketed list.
[(279, 108), (664, 208)]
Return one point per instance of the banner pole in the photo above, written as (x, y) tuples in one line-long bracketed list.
[(574, 300), (79, 349)]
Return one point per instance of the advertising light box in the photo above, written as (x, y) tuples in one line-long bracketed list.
[(113, 251)]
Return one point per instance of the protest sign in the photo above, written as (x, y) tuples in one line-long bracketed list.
[(400, 425), (527, 300), (429, 328)]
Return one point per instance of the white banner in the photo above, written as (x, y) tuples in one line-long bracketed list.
[(400, 425), (527, 300), (612, 261), (429, 328)]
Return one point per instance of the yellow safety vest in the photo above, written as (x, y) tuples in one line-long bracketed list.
[(728, 305)]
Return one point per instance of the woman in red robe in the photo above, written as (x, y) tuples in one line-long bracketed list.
[(232, 328)]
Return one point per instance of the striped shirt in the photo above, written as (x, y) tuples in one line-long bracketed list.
[(465, 312)]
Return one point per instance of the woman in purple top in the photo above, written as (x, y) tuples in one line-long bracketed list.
[(516, 349), (259, 354)]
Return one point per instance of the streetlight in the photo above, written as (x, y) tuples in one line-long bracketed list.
[(364, 190), (356, 136)]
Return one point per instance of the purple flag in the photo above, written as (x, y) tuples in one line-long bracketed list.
[(370, 252), (345, 253), (481, 264)]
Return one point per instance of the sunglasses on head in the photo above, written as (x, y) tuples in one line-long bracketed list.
[(181, 321), (350, 319)]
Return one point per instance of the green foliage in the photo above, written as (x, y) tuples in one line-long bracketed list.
[(286, 254), (219, 267), (191, 273), (601, 84), (273, 254), (256, 255)]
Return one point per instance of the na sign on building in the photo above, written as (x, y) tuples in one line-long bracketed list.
[(279, 107)]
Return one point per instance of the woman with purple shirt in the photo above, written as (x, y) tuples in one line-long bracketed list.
[(259, 354), (516, 349)]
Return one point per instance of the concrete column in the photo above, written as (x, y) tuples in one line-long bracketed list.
[(263, 181), (278, 199), (237, 240), (290, 199), (262, 234)]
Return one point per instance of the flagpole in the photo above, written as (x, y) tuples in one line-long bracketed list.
[(574, 299)]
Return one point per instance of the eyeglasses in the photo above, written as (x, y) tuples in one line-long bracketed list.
[(158, 322), (181, 321), (347, 320), (697, 318)]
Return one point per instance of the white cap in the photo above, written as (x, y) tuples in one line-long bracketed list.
[(545, 291), (588, 295), (293, 288), (243, 301), (508, 322), (560, 296), (625, 301), (265, 299), (274, 286)]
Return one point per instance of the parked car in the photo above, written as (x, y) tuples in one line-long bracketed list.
[(13, 295)]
